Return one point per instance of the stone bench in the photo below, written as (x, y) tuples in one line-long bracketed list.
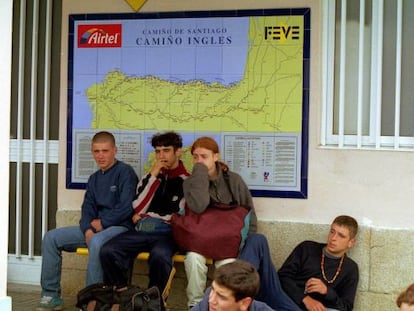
[(384, 257)]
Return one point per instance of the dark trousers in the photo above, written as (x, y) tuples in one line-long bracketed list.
[(256, 251), (118, 254)]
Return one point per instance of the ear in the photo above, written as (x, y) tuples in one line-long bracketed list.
[(216, 157), (351, 243), (178, 152), (244, 303)]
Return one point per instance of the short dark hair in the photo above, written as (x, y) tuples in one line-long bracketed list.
[(240, 277), (167, 139), (348, 222), (103, 137), (406, 296)]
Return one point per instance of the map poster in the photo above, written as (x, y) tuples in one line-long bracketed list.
[(241, 77)]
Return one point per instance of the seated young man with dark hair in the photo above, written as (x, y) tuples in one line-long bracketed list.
[(234, 287), (159, 194)]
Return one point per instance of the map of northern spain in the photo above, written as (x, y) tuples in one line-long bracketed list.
[(240, 77), (224, 74)]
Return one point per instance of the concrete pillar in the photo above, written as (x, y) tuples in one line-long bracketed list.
[(6, 15)]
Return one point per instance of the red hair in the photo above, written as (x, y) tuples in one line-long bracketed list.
[(207, 143)]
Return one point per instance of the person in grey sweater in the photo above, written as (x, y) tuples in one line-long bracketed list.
[(205, 186)]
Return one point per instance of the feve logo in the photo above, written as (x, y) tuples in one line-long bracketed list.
[(100, 36), (282, 32)]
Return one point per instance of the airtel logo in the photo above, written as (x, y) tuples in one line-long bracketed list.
[(100, 36)]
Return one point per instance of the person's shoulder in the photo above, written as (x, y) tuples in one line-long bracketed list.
[(309, 246), (231, 173), (180, 172), (350, 262), (350, 269), (309, 243), (94, 174), (234, 177), (124, 168), (185, 173), (123, 165)]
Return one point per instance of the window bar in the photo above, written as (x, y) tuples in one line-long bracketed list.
[(46, 117), (376, 71), (328, 54), (342, 76), (33, 110), (398, 74), (360, 70), (19, 138)]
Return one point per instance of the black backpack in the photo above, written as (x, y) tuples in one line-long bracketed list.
[(101, 297)]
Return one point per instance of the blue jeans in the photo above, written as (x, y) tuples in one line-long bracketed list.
[(69, 239), (256, 251)]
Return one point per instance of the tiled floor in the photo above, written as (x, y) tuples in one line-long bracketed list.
[(26, 297)]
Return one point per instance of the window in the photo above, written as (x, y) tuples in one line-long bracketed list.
[(34, 125), (368, 97)]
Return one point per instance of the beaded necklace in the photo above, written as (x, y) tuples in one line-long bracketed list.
[(338, 270)]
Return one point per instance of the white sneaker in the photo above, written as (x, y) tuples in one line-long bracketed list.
[(50, 303)]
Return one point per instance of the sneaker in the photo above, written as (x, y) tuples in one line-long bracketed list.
[(48, 303)]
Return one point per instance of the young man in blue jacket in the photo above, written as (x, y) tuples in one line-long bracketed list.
[(106, 212)]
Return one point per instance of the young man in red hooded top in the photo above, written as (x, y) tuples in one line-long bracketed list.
[(159, 195)]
